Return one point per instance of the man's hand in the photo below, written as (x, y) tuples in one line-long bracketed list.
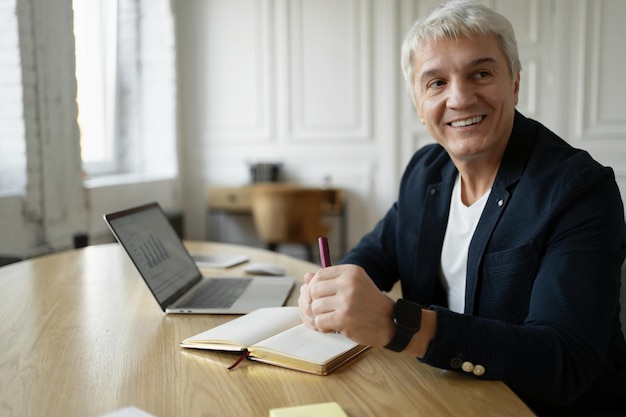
[(343, 298)]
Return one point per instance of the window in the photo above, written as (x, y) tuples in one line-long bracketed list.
[(95, 32), (12, 135), (126, 87)]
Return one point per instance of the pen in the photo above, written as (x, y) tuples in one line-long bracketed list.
[(324, 252)]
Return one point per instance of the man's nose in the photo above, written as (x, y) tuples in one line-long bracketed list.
[(461, 94)]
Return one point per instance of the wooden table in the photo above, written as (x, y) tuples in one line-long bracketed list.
[(82, 336)]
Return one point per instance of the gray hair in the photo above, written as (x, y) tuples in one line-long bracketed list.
[(457, 19)]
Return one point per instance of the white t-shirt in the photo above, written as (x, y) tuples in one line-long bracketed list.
[(462, 223)]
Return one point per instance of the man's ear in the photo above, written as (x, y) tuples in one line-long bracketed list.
[(516, 87), (419, 114), (417, 108)]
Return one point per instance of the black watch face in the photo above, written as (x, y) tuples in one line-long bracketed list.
[(408, 315)]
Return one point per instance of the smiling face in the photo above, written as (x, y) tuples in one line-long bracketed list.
[(465, 96)]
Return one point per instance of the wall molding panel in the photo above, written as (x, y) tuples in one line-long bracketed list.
[(239, 91), (601, 109), (529, 86), (330, 88), (527, 20), (596, 118)]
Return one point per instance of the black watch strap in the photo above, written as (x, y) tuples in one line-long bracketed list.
[(400, 340), (407, 317)]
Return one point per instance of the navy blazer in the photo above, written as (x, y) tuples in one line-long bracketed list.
[(543, 271)]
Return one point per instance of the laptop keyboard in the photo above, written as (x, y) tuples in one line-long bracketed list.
[(217, 293)]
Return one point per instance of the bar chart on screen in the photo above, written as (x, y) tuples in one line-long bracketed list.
[(154, 251)]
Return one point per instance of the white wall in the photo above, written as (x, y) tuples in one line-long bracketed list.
[(316, 85)]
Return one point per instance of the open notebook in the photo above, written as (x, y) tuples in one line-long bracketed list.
[(277, 336)]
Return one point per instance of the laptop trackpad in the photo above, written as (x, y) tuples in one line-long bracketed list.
[(265, 292)]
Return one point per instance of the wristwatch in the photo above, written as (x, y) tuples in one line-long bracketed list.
[(407, 316)]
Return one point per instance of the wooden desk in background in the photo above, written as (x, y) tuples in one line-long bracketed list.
[(237, 200), (82, 336)]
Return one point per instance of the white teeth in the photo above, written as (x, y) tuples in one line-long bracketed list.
[(467, 122)]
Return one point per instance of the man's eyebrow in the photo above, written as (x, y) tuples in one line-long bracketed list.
[(480, 61), (476, 62)]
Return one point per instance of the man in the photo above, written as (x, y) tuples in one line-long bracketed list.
[(507, 241)]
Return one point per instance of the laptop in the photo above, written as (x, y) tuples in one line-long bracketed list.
[(174, 278)]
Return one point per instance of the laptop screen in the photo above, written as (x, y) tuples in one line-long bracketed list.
[(156, 250)]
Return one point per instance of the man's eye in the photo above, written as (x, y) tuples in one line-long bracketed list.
[(482, 74), (435, 84)]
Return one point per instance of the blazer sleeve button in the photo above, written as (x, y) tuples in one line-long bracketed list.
[(478, 370), (456, 363), (467, 367)]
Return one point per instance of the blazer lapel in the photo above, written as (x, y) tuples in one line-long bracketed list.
[(433, 228), (513, 162)]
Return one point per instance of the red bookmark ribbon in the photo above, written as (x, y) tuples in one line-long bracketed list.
[(243, 356)]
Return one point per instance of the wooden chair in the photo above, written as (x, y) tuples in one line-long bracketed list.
[(285, 213)]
